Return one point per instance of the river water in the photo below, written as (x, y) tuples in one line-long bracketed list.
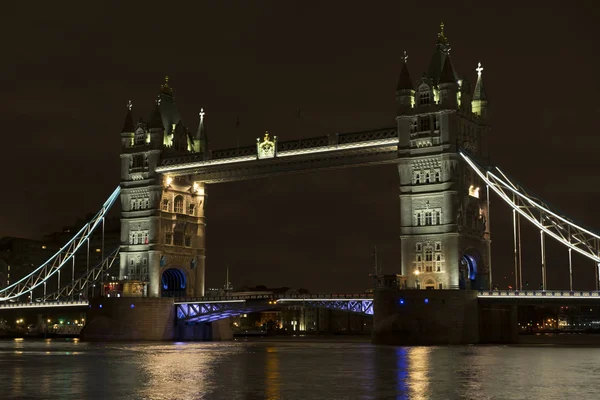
[(261, 369)]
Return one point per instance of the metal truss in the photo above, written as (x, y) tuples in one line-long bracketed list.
[(54, 264), (361, 306), (539, 214), (82, 284), (212, 311)]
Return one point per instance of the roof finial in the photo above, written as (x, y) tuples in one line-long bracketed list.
[(129, 105), (405, 57), (202, 114), (164, 88), (442, 39), (479, 69)]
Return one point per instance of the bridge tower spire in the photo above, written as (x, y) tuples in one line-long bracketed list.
[(479, 102), (444, 235), (162, 216), (405, 93)]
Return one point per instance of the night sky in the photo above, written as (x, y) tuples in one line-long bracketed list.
[(68, 72)]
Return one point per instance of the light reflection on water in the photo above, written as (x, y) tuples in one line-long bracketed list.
[(293, 370)]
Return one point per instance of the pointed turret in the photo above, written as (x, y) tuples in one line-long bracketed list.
[(128, 125), (405, 93), (128, 131), (448, 87), (479, 102), (442, 50), (201, 139)]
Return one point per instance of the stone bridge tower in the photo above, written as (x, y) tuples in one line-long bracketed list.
[(162, 218), (445, 234)]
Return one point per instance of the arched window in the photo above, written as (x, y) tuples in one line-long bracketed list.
[(424, 97), (419, 219), (438, 177), (417, 177), (147, 204), (179, 204), (428, 254), (438, 218), (427, 177)]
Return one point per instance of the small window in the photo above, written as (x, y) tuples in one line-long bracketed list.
[(424, 98), (168, 238), (428, 219), (417, 177), (419, 247), (191, 208), (188, 241), (438, 218), (440, 286), (413, 126), (438, 177), (147, 204), (419, 258), (438, 246), (419, 219), (165, 205), (427, 177), (178, 239), (424, 124), (436, 122), (428, 255)]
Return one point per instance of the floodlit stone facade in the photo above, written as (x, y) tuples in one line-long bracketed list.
[(162, 218), (445, 233)]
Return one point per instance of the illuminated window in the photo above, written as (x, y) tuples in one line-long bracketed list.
[(98, 250), (179, 204), (473, 191), (140, 138), (424, 97), (165, 206), (44, 247), (424, 124)]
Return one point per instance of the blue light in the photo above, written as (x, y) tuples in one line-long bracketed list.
[(401, 301), (132, 306), (100, 306), (426, 301)]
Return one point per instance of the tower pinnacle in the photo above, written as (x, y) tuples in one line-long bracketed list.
[(479, 69), (165, 88), (128, 125), (442, 39)]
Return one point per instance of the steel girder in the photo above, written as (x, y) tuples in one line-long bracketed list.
[(54, 264), (538, 213)]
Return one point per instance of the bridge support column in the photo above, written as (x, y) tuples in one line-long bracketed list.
[(154, 274)]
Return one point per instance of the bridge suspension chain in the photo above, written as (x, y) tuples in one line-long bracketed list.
[(54, 264), (537, 212)]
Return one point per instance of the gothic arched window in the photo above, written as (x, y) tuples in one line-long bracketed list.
[(438, 218), (438, 176), (179, 204)]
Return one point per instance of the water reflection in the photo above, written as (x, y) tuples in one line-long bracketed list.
[(294, 370), (272, 374)]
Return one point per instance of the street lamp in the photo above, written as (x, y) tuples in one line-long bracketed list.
[(417, 272)]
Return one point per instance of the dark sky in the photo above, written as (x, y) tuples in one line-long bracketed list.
[(69, 70)]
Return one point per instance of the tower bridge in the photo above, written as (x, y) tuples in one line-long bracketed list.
[(439, 145)]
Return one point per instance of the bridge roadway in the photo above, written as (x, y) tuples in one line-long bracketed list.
[(326, 152), (190, 308)]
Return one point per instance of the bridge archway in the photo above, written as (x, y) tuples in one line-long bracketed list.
[(470, 270), (173, 283)]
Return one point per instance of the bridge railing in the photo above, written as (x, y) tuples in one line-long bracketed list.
[(333, 296), (538, 294)]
